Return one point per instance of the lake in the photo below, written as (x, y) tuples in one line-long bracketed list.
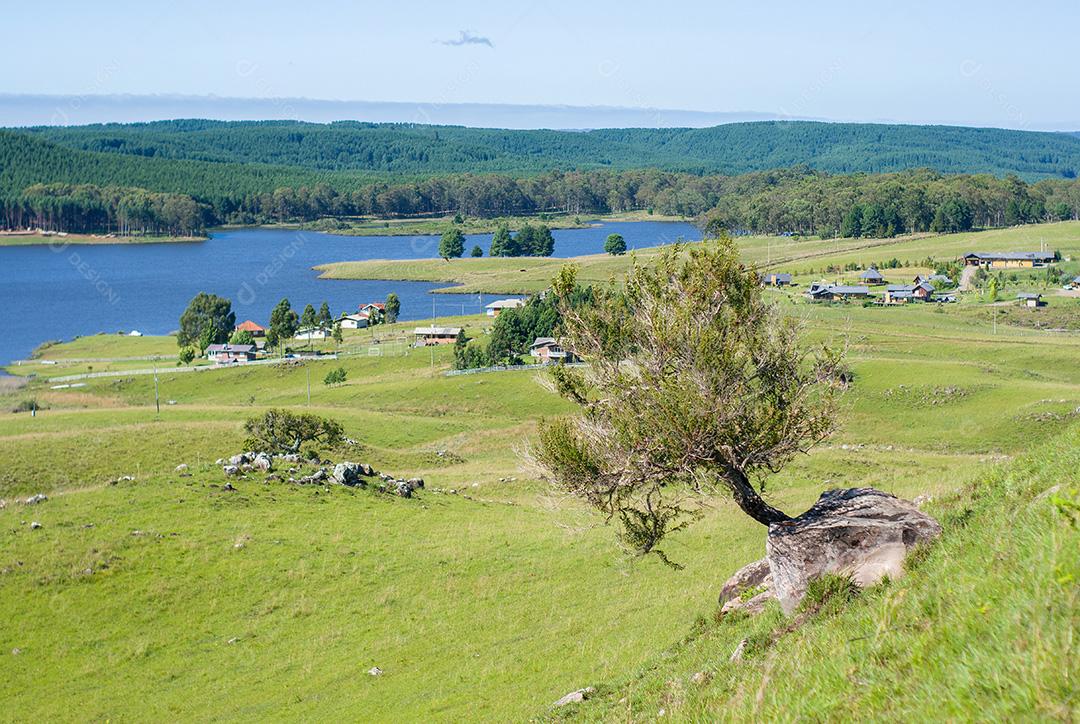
[(52, 292)]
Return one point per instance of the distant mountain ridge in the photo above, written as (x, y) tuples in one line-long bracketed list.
[(411, 150)]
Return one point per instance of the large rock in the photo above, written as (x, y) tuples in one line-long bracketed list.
[(348, 474), (262, 462), (862, 532)]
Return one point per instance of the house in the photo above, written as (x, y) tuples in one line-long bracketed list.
[(1008, 259), (773, 279), (248, 326), (548, 351), (496, 307), (1031, 300), (935, 279), (836, 292), (310, 334), (1074, 283), (902, 293), (373, 309), (230, 353), (353, 321), (426, 336), (872, 276)]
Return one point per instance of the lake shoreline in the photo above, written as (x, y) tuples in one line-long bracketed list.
[(21, 238)]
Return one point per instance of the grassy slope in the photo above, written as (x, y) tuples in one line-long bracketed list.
[(529, 274), (483, 609), (982, 627)]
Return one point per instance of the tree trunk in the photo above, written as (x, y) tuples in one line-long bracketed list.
[(751, 502)]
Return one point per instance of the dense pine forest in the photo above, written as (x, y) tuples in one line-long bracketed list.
[(851, 179)]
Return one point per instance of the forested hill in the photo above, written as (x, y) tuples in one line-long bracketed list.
[(417, 150)]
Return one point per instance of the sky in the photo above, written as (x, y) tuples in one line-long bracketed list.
[(988, 63)]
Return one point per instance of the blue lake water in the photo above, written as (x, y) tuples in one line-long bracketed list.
[(59, 292)]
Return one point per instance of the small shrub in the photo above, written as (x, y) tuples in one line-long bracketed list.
[(335, 377), (830, 590)]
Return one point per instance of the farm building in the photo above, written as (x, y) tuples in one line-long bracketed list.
[(872, 276), (548, 351), (353, 321), (228, 353), (1031, 300), (836, 292), (1009, 259), (496, 307), (773, 279), (902, 293), (938, 279), (426, 336), (248, 326)]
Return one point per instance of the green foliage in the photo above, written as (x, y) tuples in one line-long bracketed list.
[(393, 307), (338, 336), (309, 319), (615, 244), (208, 319), (283, 324), (452, 244), (324, 319), (501, 242), (282, 431), (187, 355), (335, 376), (241, 336), (476, 252)]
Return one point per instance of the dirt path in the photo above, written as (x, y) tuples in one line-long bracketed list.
[(967, 278)]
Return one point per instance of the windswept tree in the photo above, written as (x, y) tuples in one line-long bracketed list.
[(208, 319), (282, 431), (695, 387)]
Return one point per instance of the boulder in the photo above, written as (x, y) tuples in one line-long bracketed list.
[(749, 576), (34, 525), (239, 460), (403, 489), (290, 457), (861, 532), (348, 474), (262, 462), (35, 499), (415, 483), (181, 468), (230, 470), (753, 605)]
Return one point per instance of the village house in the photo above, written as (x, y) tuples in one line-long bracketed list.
[(1031, 300), (1009, 259), (373, 311), (1074, 283), (496, 307), (230, 353), (836, 292), (426, 336), (773, 279), (353, 321), (248, 326), (310, 334), (872, 276), (548, 351), (935, 279), (902, 293)]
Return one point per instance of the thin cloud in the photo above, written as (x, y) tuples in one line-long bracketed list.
[(466, 37)]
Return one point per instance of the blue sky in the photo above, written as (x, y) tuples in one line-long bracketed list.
[(988, 63)]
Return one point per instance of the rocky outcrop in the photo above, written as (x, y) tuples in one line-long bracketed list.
[(861, 532), (262, 462), (752, 575), (575, 696)]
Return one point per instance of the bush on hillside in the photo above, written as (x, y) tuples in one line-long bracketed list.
[(282, 431)]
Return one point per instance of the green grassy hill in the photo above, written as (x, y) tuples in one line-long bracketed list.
[(489, 603)]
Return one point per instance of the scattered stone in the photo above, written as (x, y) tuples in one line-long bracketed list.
[(247, 467), (862, 532), (34, 525), (921, 500), (239, 460), (181, 468), (752, 575), (228, 486), (415, 483), (575, 696), (403, 489), (737, 654), (701, 677), (273, 477), (219, 461), (16, 651), (348, 474), (233, 640), (375, 671), (3, 504), (231, 470), (753, 605), (262, 462), (290, 457), (35, 499)]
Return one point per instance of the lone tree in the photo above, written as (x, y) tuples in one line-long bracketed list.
[(281, 431), (283, 324), (615, 244), (695, 386), (208, 319), (452, 244), (477, 252), (393, 307)]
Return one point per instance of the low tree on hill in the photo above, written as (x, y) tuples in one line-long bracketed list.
[(282, 431), (335, 377), (208, 319), (477, 252), (695, 387)]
